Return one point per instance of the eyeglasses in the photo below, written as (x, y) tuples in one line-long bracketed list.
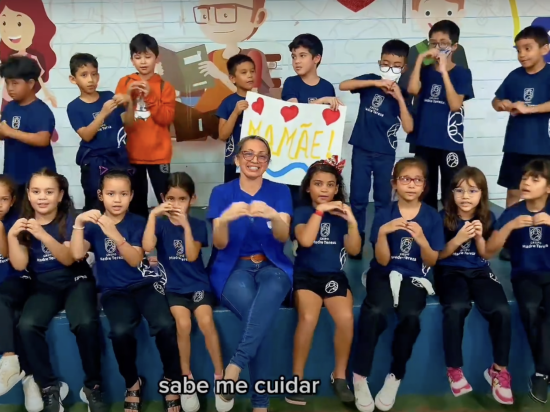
[(222, 13), (406, 180), (442, 45), (395, 70), (249, 156), (462, 192)]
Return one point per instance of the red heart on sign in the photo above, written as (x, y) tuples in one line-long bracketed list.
[(331, 116), (289, 113), (355, 5), (258, 105)]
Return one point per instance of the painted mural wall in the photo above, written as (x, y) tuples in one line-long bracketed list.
[(204, 34)]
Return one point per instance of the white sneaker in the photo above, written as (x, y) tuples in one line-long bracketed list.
[(10, 373), (33, 396), (223, 406), (385, 399), (190, 403), (363, 397)]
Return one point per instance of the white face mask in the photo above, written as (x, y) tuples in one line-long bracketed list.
[(389, 74)]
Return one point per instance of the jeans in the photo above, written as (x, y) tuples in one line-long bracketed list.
[(254, 293)]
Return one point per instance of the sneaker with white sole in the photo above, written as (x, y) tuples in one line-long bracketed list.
[(363, 397), (190, 402), (10, 373), (94, 399), (33, 396), (459, 384), (501, 384), (222, 405), (385, 399), (53, 397)]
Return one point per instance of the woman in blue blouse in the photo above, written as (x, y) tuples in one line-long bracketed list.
[(250, 273)]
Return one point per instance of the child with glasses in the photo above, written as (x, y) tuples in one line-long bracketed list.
[(463, 274), (382, 111)]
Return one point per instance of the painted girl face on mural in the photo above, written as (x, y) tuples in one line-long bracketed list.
[(226, 22), (428, 12), (17, 29)]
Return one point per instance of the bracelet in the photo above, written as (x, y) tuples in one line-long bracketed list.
[(319, 213), (78, 228), (123, 242)]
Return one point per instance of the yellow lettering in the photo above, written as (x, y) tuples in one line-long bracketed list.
[(289, 138), (269, 135), (329, 151), (314, 145), (302, 143), (252, 130)]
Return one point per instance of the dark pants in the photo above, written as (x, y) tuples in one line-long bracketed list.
[(457, 287), (448, 163), (230, 173), (14, 292), (369, 168), (90, 188), (533, 297), (373, 321), (124, 310), (158, 174), (74, 290)]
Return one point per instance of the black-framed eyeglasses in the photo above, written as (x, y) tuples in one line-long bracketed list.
[(249, 156), (385, 69), (461, 192), (406, 180), (440, 45), (220, 13)]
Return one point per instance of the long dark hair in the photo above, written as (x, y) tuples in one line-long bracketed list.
[(482, 212), (180, 180), (323, 167), (65, 208)]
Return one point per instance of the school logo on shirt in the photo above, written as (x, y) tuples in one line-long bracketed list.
[(377, 101), (16, 122), (406, 244), (436, 91), (452, 160), (425, 270), (331, 287), (325, 230), (455, 121), (311, 99), (528, 94), (343, 258), (148, 272), (46, 254), (198, 296), (178, 245), (110, 246), (392, 135), (111, 252), (103, 126), (535, 237), (229, 147), (466, 246)]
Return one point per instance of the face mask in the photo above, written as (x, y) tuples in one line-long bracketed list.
[(445, 51), (390, 75)]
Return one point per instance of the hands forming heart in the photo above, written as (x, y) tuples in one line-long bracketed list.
[(255, 209), (29, 225)]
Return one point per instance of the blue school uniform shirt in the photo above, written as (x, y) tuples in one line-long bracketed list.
[(295, 88), (6, 269), (466, 256), (41, 259), (20, 159), (277, 196), (529, 253), (405, 252), (227, 107), (527, 133), (439, 127), (110, 136), (327, 254), (378, 120), (182, 276), (112, 271)]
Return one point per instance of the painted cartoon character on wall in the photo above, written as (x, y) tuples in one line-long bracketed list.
[(26, 30)]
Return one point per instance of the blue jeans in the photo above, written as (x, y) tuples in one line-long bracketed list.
[(369, 168), (254, 293)]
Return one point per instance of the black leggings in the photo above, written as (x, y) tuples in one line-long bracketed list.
[(74, 290), (124, 310), (533, 298), (159, 177), (14, 292), (373, 321), (457, 287)]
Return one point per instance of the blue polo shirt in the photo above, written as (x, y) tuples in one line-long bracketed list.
[(405, 252), (277, 196), (295, 88), (439, 127), (227, 107), (41, 259), (527, 133), (6, 269)]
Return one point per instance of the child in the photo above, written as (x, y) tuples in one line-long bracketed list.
[(150, 107), (15, 288), (39, 241), (407, 237), (326, 231), (179, 239), (463, 274), (97, 119), (382, 110), (129, 288), (524, 227), (524, 94), (441, 90), (27, 123), (242, 73)]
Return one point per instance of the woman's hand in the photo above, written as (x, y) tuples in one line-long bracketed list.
[(36, 229), (393, 226), (261, 209), (235, 211), (467, 232)]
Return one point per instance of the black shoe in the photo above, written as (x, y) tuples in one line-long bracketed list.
[(297, 399), (504, 255), (226, 395), (94, 400), (538, 387), (342, 390), (52, 399)]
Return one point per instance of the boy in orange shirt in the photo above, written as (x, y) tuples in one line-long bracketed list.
[(151, 107)]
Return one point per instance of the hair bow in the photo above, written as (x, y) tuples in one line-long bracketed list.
[(333, 161)]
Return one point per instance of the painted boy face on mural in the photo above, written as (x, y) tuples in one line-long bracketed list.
[(226, 22), (428, 12), (16, 29)]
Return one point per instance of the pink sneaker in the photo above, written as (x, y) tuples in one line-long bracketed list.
[(501, 382), (459, 384)]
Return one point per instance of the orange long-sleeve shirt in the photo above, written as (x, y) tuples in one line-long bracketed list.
[(149, 141)]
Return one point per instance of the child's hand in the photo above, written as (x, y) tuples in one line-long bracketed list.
[(344, 213), (36, 229), (384, 84), (134, 87), (19, 226), (146, 88), (180, 216), (121, 99), (330, 207), (442, 59), (241, 106), (91, 216), (519, 108), (5, 130), (163, 209), (394, 226), (432, 53), (395, 92), (108, 107), (467, 232), (504, 105), (108, 227), (522, 221), (541, 219), (333, 102), (415, 230), (478, 228)]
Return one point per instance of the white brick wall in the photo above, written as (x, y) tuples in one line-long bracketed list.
[(352, 44)]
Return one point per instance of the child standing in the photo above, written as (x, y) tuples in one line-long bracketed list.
[(151, 107), (130, 289), (326, 231), (242, 73), (15, 288), (524, 93), (97, 119), (39, 241), (407, 237), (441, 90), (382, 110), (179, 239), (27, 123), (463, 274), (524, 227)]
